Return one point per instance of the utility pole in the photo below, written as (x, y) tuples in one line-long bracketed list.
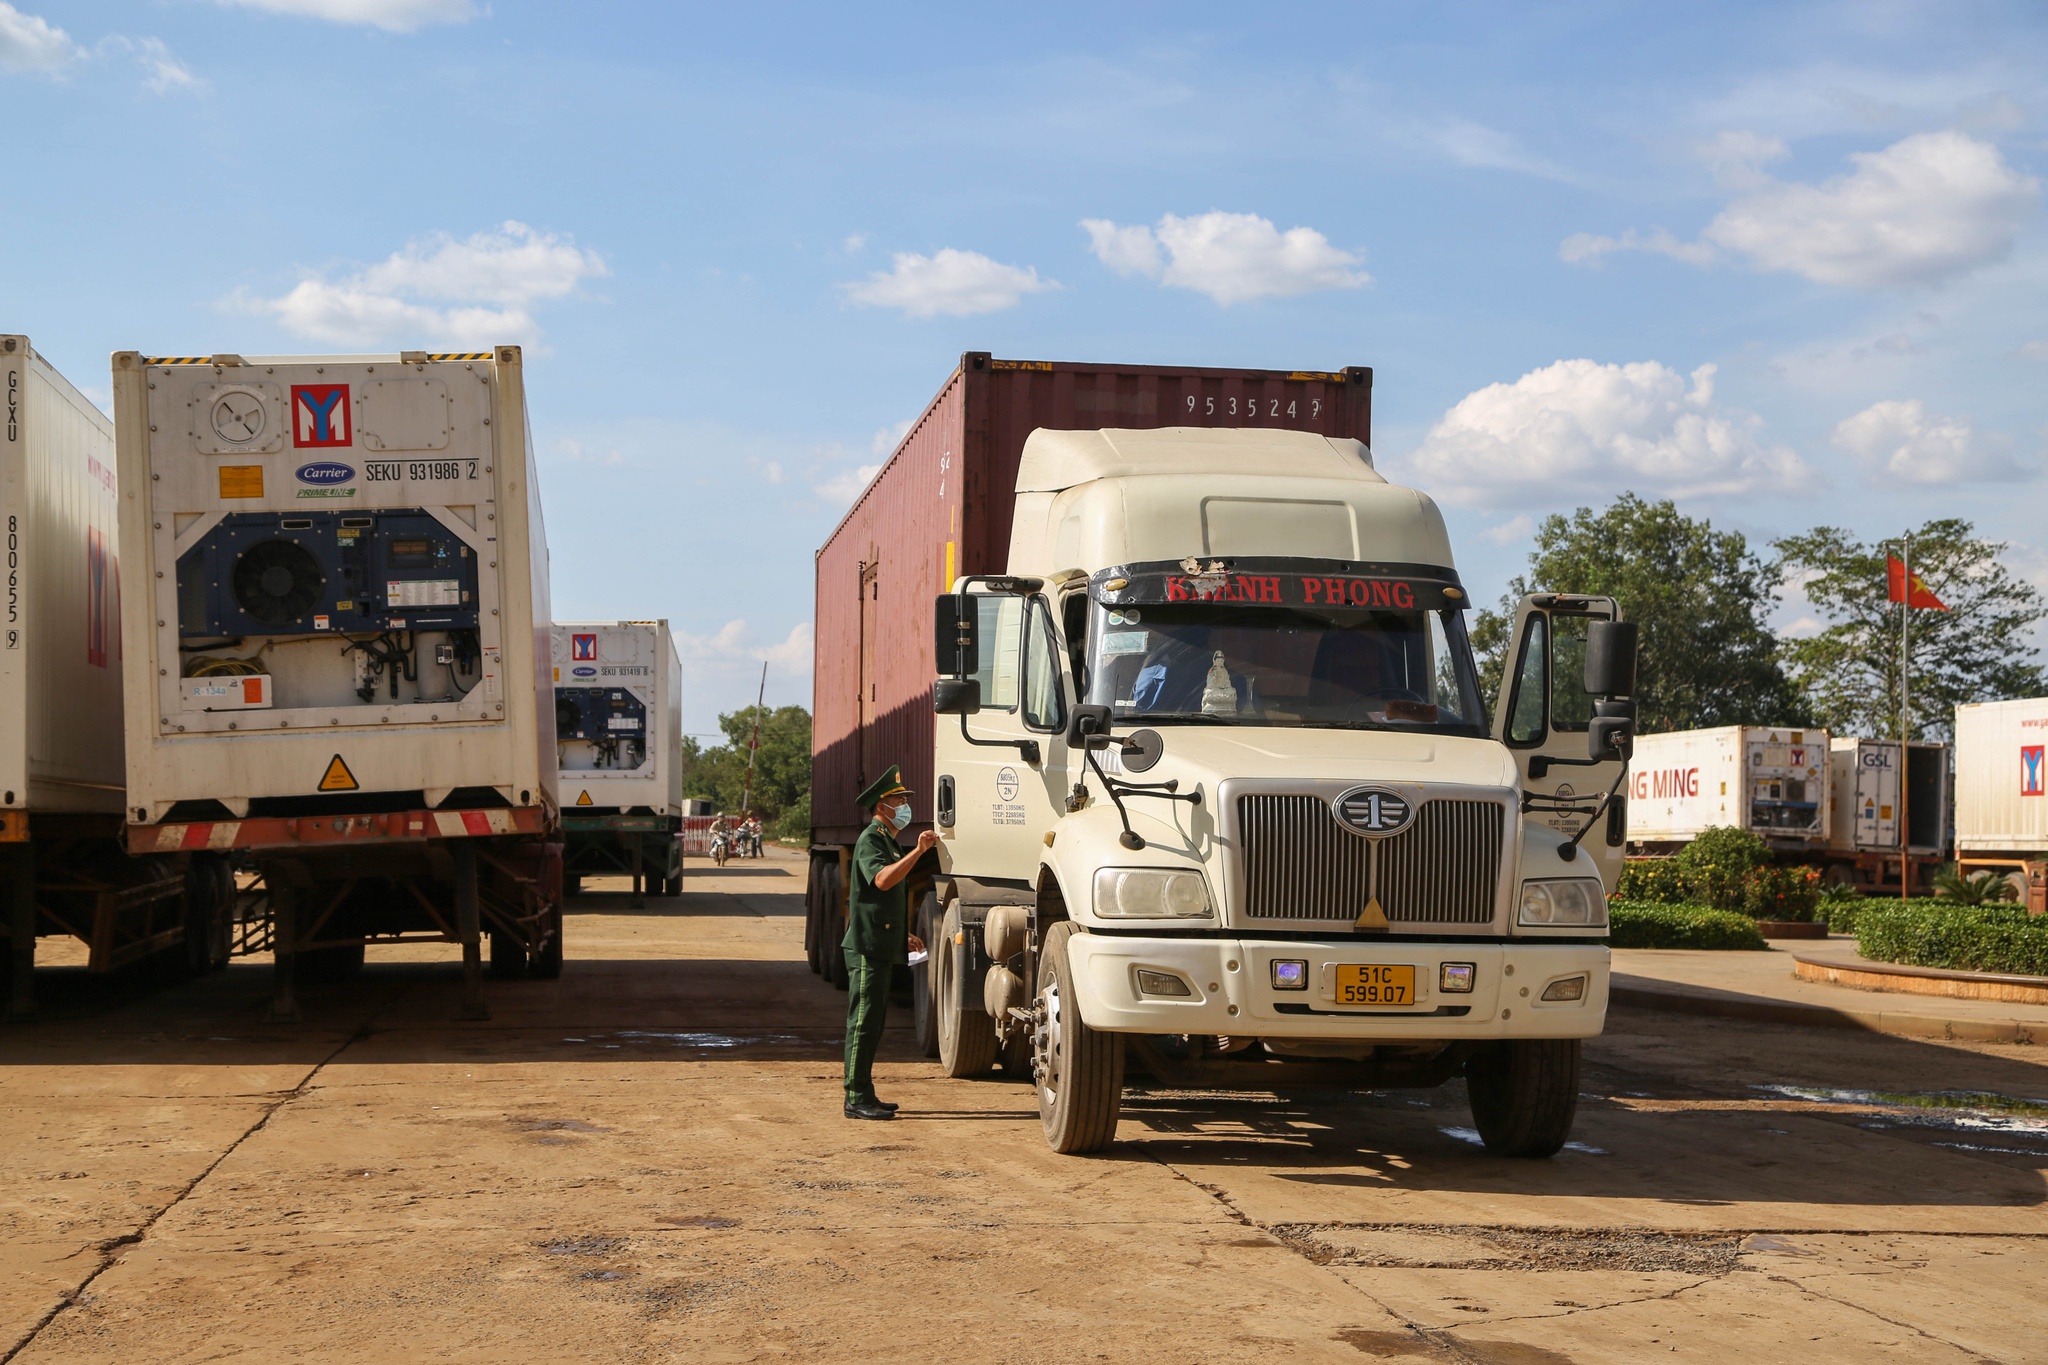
[(753, 744), (1905, 723)]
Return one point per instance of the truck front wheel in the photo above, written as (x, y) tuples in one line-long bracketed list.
[(1524, 1092), (926, 1017), (1079, 1070), (967, 1038)]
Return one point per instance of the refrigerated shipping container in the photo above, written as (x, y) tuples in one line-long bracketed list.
[(942, 507), (2001, 793), (619, 754), (61, 777), (1864, 810), (339, 649), (1771, 782)]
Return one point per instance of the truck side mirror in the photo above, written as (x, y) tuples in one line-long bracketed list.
[(956, 636), (1088, 720), (1611, 658), (956, 696), (1611, 739)]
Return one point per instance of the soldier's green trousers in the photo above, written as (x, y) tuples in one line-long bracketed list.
[(867, 1001)]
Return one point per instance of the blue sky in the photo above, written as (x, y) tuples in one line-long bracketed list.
[(1784, 263)]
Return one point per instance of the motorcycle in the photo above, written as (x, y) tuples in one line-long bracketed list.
[(718, 848)]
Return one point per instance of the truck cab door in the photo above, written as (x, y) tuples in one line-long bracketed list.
[(1005, 765), (1548, 718)]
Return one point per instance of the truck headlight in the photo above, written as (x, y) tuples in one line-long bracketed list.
[(1564, 901), (1150, 893)]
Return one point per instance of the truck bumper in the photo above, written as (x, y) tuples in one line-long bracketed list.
[(1230, 988)]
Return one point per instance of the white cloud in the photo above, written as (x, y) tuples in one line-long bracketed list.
[(1922, 211), (734, 643), (842, 489), (953, 282), (770, 470), (854, 242), (1584, 246), (1928, 208), (1509, 531), (28, 42), (1231, 257), (393, 16), (1579, 427), (472, 292), (1904, 440), (2035, 350), (886, 439), (162, 73), (577, 453)]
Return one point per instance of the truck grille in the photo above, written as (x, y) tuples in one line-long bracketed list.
[(1299, 863)]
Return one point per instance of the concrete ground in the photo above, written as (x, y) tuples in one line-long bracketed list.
[(645, 1161)]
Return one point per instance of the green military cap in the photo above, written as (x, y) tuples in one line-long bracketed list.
[(887, 785)]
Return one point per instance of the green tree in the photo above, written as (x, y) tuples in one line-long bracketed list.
[(1701, 597), (1980, 649), (782, 765)]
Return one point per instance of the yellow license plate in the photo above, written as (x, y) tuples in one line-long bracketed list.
[(1359, 985)]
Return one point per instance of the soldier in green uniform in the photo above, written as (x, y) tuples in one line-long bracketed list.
[(878, 934)]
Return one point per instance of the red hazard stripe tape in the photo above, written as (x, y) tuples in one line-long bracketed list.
[(414, 826)]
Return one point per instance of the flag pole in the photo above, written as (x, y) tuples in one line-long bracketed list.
[(1905, 723)]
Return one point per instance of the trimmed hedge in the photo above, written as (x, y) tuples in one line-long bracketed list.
[(1925, 933), (1641, 924), (1724, 875)]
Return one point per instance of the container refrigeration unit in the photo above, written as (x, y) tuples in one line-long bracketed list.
[(1864, 810), (61, 776), (337, 649), (619, 750), (2001, 800), (1772, 782)]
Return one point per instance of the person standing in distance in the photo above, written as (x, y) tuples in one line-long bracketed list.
[(878, 935)]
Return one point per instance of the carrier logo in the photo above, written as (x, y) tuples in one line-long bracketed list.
[(583, 647), (320, 415), (584, 672), (325, 475), (1374, 811), (2031, 765)]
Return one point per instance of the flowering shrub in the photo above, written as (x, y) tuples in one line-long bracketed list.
[(1717, 864), (1781, 893)]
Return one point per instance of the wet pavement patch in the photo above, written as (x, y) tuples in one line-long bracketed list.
[(1431, 1246), (555, 1126), (700, 1220), (1959, 1111)]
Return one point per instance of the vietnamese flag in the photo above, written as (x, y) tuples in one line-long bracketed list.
[(1915, 595)]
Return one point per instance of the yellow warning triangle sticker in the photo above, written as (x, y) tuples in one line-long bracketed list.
[(338, 778), (1372, 917), (584, 800)]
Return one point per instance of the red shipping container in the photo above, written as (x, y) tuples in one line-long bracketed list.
[(941, 507)]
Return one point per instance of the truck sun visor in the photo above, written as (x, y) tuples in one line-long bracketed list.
[(1283, 583)]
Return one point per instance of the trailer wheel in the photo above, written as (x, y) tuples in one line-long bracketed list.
[(813, 895), (209, 913), (1080, 1070), (1524, 1093), (546, 965), (831, 931), (508, 956), (966, 1038), (922, 1013)]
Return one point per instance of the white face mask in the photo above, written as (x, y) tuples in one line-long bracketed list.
[(899, 816)]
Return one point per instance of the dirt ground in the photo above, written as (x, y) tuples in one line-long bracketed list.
[(645, 1161)]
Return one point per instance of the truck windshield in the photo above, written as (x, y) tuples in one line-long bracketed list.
[(1203, 662)]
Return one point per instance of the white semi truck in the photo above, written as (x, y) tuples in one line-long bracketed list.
[(619, 751), (337, 646), (1216, 792)]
